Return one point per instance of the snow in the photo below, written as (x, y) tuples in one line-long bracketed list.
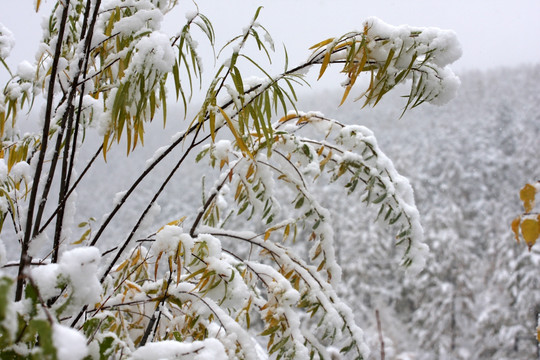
[(190, 15), (80, 267), (37, 244), (21, 171), (26, 71), (141, 19), (169, 239), (3, 255), (7, 41), (221, 149), (153, 51), (160, 151), (118, 197), (3, 171), (209, 349), (70, 344)]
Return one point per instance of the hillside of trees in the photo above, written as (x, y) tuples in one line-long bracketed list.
[(479, 296)]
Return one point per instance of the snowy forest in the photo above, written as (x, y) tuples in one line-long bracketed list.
[(150, 212)]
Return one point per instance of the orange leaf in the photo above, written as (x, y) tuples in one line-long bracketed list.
[(288, 117), (515, 227), (321, 44), (527, 195), (530, 229)]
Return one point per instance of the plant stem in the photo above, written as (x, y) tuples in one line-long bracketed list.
[(25, 258)]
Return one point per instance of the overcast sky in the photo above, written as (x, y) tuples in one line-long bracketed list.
[(492, 32)]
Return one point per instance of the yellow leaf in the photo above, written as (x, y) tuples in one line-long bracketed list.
[(326, 159), (223, 163), (321, 265), (241, 144), (83, 237), (122, 265), (157, 264), (530, 229), (286, 232), (133, 286), (174, 223), (288, 117), (527, 195), (267, 234), (325, 63), (322, 43), (515, 228)]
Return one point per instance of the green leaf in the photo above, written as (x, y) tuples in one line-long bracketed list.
[(380, 198), (45, 333)]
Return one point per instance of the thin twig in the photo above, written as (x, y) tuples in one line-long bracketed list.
[(379, 329)]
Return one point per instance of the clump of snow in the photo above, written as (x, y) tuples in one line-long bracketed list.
[(69, 343), (7, 41), (46, 279), (37, 244), (143, 18), (79, 267), (154, 51), (449, 86), (222, 149), (209, 349), (190, 15), (21, 171), (169, 239), (26, 71)]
